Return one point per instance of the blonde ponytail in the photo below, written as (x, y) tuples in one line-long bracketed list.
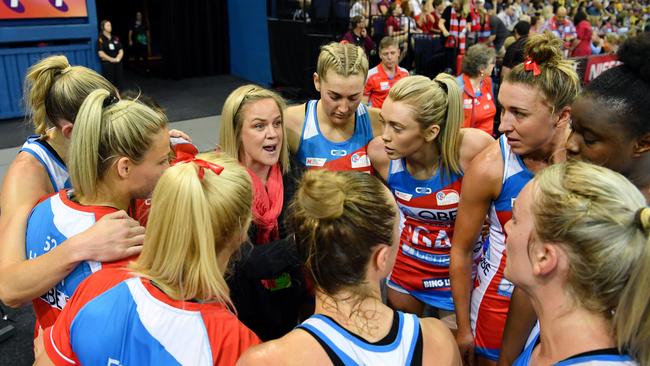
[(54, 91), (107, 129), (449, 140)]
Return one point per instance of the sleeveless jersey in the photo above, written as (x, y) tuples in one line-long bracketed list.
[(116, 318), (316, 151), (52, 222), (350, 349), (491, 295), (606, 357), (51, 161), (428, 211)]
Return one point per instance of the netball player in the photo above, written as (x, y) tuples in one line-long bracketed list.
[(334, 131), (578, 246), (536, 98), (421, 155), (118, 151), (171, 306), (347, 229)]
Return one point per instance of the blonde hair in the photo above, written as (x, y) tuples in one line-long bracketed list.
[(557, 80), (435, 102), (104, 133), (602, 222), (232, 119), (54, 91), (191, 222), (338, 218), (344, 59)]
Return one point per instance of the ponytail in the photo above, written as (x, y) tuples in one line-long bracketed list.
[(105, 130), (632, 316), (449, 141), (54, 91)]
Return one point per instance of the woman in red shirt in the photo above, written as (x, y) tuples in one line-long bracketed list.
[(478, 100), (582, 42)]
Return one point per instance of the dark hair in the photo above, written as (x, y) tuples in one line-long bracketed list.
[(522, 28), (625, 89), (338, 218), (580, 16), (356, 20), (101, 24)]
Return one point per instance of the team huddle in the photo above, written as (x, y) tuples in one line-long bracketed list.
[(335, 233)]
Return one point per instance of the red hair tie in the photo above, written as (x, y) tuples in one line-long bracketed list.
[(203, 165), (531, 65)]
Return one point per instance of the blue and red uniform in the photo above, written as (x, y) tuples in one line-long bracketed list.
[(50, 160), (51, 223), (428, 211), (118, 318), (316, 151), (492, 291)]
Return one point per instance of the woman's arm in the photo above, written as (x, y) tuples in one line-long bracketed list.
[(481, 184), (113, 237)]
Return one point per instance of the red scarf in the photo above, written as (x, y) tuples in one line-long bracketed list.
[(267, 204), (485, 30)]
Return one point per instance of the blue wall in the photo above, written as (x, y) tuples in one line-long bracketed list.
[(249, 41)]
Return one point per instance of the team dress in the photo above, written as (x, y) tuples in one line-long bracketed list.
[(117, 318), (402, 345), (51, 223), (603, 357), (378, 84), (478, 106), (316, 151), (492, 291), (428, 211), (51, 161)]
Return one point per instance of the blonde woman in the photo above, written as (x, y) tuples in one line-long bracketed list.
[(53, 94), (334, 131), (578, 246), (267, 285), (421, 155), (171, 306), (347, 230), (118, 152), (536, 97)]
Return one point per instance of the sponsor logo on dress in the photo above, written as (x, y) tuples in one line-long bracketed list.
[(360, 160), (384, 85), (403, 196), (338, 152), (447, 197), (436, 283), (423, 190), (315, 161)]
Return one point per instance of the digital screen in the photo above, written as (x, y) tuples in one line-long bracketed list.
[(34, 9)]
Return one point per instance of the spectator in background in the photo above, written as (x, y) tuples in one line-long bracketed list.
[(478, 100), (428, 20), (383, 6), (561, 26), (408, 18), (394, 28), (582, 43), (110, 53), (360, 7), (508, 17), (140, 42), (383, 76), (358, 35), (493, 32), (515, 53), (416, 7), (536, 24), (454, 24)]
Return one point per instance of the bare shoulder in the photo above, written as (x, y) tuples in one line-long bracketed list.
[(440, 346), (486, 165), (25, 183), (378, 157), (296, 348), (473, 141), (375, 120), (294, 117)]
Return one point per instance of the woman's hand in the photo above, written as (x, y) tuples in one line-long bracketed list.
[(115, 236)]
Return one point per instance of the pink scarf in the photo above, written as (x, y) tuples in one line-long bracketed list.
[(267, 204)]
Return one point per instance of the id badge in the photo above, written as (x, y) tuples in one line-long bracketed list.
[(111, 46)]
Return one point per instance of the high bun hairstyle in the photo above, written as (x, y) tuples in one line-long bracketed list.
[(557, 78), (625, 89), (435, 102), (602, 222), (54, 91), (338, 218), (344, 59)]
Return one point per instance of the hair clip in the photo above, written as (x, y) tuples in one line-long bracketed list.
[(110, 100), (641, 220), (442, 85), (531, 65), (202, 164)]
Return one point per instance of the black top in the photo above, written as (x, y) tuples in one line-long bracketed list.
[(111, 47), (498, 29), (515, 53), (139, 35)]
